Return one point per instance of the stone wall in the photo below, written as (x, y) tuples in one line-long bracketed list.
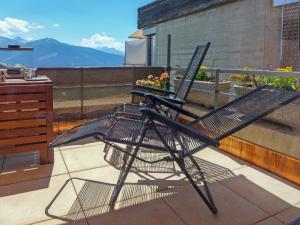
[(243, 33)]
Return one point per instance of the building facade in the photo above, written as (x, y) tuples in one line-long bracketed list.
[(243, 33)]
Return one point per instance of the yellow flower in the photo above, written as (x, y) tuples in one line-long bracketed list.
[(203, 67)]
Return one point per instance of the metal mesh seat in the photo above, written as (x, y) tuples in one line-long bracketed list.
[(185, 84), (94, 128)]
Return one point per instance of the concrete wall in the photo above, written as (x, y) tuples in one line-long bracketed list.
[(243, 33)]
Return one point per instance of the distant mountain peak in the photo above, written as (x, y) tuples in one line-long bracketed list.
[(49, 52), (19, 39), (48, 40)]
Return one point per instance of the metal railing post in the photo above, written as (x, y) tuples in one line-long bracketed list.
[(169, 54), (81, 93), (217, 81)]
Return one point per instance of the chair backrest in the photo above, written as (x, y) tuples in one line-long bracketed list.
[(187, 80), (243, 111)]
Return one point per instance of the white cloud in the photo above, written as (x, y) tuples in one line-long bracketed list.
[(102, 40), (56, 25), (12, 26)]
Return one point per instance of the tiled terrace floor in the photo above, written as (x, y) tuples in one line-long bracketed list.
[(76, 190)]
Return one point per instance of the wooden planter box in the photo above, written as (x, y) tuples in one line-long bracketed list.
[(200, 92), (26, 117), (287, 115)]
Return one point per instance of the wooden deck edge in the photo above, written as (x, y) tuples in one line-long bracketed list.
[(272, 161)]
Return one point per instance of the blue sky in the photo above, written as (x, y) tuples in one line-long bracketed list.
[(93, 23)]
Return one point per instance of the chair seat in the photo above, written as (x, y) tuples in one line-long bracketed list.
[(127, 131), (95, 128)]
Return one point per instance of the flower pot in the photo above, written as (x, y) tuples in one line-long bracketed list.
[(201, 92)]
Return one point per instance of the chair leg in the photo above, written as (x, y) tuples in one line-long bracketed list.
[(123, 175), (208, 194), (106, 148), (208, 198)]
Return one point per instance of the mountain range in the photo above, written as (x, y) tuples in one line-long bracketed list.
[(49, 52)]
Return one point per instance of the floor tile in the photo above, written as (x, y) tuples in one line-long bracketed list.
[(289, 214), (24, 167), (267, 192), (220, 158), (82, 143), (233, 209), (86, 157), (270, 221), (150, 213), (39, 200)]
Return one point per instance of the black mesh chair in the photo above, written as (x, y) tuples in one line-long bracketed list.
[(159, 132), (182, 91)]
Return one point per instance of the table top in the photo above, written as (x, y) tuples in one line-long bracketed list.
[(25, 82)]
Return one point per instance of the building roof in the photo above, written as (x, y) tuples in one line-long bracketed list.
[(137, 35), (164, 10)]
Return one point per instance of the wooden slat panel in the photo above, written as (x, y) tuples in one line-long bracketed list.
[(23, 105), (5, 116), (22, 97), (22, 140), (23, 148), (22, 124), (22, 89), (32, 131)]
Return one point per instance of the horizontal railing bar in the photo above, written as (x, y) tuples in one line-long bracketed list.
[(92, 86), (248, 72)]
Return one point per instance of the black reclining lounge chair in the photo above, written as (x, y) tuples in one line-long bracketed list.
[(181, 141), (177, 97)]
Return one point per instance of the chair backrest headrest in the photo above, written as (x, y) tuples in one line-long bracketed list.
[(244, 110), (187, 80)]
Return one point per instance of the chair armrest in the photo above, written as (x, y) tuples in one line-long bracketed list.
[(143, 94), (154, 89), (157, 99), (173, 100), (153, 115), (139, 93)]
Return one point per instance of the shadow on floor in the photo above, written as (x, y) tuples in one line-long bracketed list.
[(212, 172), (94, 196), (237, 198)]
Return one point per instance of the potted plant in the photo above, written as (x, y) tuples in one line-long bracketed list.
[(161, 82), (203, 88)]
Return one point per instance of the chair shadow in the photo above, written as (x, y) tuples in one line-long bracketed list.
[(94, 196), (212, 172)]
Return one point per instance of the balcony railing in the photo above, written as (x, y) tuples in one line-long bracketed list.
[(89, 92)]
